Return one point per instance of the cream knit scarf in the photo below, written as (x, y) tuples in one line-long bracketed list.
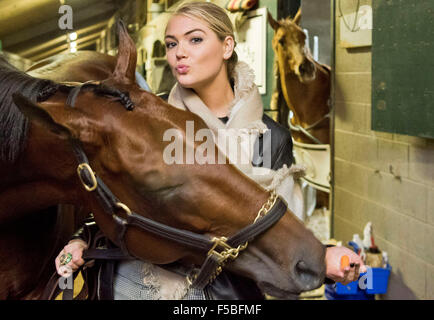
[(246, 113)]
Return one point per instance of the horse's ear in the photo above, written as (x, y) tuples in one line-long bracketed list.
[(36, 113), (273, 23), (297, 18), (127, 56), (72, 125)]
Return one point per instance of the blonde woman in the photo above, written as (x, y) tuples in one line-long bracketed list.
[(211, 82)]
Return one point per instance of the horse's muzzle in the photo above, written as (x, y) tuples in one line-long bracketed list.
[(310, 271), (307, 70), (309, 278)]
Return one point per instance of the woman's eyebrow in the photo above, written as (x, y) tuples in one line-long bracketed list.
[(191, 31), (187, 33)]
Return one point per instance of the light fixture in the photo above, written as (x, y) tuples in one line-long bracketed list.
[(73, 50), (73, 36), (73, 44)]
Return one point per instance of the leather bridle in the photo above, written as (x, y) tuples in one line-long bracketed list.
[(218, 249)]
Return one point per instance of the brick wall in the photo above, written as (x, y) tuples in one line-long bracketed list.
[(380, 177)]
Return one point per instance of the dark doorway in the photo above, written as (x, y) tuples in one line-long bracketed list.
[(316, 19)]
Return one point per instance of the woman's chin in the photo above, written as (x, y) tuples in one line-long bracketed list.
[(184, 82)]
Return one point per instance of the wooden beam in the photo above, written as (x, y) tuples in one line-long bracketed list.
[(15, 14), (51, 25), (86, 44), (46, 45), (83, 45), (64, 47)]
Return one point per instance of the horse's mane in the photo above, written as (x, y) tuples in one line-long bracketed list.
[(13, 124)]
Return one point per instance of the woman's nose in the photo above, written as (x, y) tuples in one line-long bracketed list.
[(180, 51)]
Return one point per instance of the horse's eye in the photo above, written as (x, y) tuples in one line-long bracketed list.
[(282, 41)]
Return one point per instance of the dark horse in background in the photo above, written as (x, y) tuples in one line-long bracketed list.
[(305, 86), (125, 149)]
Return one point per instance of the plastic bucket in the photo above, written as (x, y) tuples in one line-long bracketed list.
[(352, 291)]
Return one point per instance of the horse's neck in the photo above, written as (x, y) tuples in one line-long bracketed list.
[(22, 199), (28, 248), (32, 231), (28, 185), (308, 101), (82, 67)]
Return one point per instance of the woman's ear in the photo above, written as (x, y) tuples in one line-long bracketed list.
[(228, 47)]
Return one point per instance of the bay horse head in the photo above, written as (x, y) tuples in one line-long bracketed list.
[(120, 128), (289, 42)]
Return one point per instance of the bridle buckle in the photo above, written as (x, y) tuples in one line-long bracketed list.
[(222, 243), (228, 251), (85, 166)]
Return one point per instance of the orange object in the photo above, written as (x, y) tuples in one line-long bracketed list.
[(345, 261)]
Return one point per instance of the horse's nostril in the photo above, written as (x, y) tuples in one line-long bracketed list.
[(306, 67), (301, 267), (307, 276)]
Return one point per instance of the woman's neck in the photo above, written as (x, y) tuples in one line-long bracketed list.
[(217, 95)]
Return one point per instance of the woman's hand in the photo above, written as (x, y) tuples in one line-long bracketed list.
[(75, 248), (350, 272)]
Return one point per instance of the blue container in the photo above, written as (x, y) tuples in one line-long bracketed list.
[(374, 282), (351, 288), (331, 294), (380, 281)]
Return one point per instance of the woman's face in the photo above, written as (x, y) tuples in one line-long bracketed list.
[(194, 52)]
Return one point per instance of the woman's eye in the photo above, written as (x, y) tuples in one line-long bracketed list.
[(170, 45), (196, 40)]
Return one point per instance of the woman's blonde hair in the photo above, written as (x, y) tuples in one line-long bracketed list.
[(216, 19)]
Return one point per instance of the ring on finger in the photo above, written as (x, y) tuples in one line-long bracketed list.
[(65, 258)]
